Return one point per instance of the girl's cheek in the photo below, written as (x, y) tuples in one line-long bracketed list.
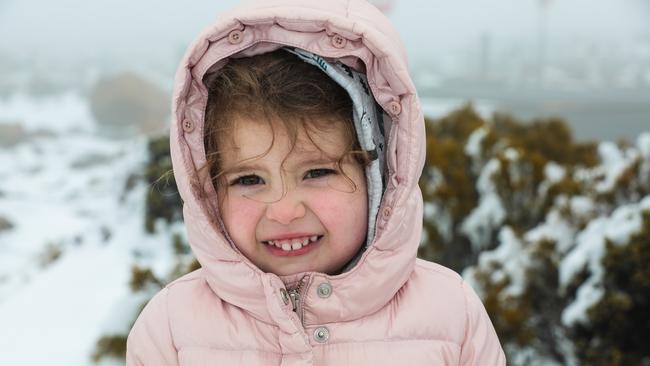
[(330, 206), (241, 215), (244, 207)]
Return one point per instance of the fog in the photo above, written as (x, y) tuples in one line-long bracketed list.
[(588, 60), (122, 31)]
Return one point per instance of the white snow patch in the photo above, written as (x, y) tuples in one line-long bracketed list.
[(473, 147), (554, 172), (59, 311), (511, 154), (554, 228), (441, 219), (65, 112), (588, 252), (643, 144), (489, 214), (512, 260), (624, 222), (587, 295), (582, 207), (51, 201), (614, 162), (435, 179), (529, 356)]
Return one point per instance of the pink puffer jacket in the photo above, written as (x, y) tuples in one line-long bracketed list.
[(389, 309)]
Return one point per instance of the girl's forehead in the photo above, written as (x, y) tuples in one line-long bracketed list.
[(301, 136), (253, 138)]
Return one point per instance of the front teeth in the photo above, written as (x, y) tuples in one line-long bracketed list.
[(293, 244)]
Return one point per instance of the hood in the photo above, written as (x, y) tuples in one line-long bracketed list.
[(349, 31)]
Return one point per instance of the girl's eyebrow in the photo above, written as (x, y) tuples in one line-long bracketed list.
[(253, 166), (316, 161), (241, 168)]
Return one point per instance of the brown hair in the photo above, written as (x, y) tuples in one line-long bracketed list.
[(275, 88)]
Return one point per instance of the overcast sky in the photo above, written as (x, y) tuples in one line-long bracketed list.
[(65, 30)]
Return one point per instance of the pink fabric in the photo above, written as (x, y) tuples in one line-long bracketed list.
[(390, 308)]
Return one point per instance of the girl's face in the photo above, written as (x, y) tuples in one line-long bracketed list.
[(292, 210)]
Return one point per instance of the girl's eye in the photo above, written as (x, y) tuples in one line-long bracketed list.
[(318, 173), (247, 180)]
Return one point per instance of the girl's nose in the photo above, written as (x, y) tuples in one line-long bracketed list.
[(288, 208)]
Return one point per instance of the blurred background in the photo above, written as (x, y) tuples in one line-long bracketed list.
[(537, 180)]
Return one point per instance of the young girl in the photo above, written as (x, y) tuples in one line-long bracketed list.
[(297, 143)]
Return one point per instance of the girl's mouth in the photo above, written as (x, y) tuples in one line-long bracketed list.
[(292, 247)]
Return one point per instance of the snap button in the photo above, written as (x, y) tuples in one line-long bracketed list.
[(394, 108), (235, 37), (387, 211), (321, 334), (285, 296), (338, 41), (324, 290), (188, 126)]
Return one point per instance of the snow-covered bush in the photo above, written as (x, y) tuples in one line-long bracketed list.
[(553, 234)]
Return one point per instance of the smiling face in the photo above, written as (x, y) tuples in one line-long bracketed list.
[(292, 209)]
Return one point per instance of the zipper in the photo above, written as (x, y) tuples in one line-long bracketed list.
[(295, 295)]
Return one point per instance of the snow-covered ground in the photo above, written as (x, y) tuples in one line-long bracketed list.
[(76, 232)]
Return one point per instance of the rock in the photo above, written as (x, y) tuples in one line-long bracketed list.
[(5, 224), (11, 134), (126, 103)]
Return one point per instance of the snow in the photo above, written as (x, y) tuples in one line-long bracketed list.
[(554, 228), (512, 257), (59, 310), (65, 112), (530, 357), (588, 252), (67, 191), (69, 204), (613, 164), (473, 146), (435, 179), (554, 172), (643, 145), (441, 219), (511, 154), (582, 207), (489, 214)]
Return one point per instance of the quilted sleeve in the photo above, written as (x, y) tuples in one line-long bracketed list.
[(481, 345), (150, 342)]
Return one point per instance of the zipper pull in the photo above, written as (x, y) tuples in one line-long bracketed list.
[(294, 296)]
